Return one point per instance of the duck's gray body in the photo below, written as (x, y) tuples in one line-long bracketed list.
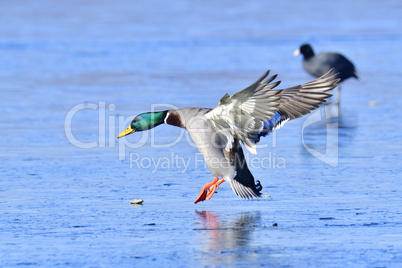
[(228, 165)]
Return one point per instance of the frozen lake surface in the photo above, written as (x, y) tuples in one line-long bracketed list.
[(62, 204)]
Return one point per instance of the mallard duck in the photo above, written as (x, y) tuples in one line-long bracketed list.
[(318, 65), (244, 117)]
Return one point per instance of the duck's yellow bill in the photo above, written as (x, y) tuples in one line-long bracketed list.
[(128, 130)]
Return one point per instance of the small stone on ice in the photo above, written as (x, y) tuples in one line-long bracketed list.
[(136, 201), (373, 103)]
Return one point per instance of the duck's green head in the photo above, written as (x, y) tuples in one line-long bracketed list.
[(144, 121)]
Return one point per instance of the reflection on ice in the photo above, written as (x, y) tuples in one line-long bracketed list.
[(227, 241)]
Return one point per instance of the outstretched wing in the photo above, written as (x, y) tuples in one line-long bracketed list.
[(297, 101), (242, 115), (300, 100), (258, 109)]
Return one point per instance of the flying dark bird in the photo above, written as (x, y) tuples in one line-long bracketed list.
[(318, 65), (246, 116)]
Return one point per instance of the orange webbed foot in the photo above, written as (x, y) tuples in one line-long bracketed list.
[(208, 190)]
